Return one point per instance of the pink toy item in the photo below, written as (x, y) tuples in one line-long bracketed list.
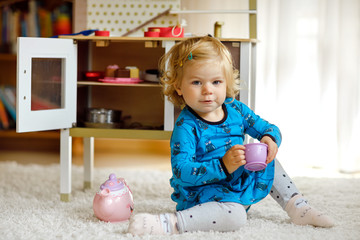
[(174, 31), (255, 156), (114, 201)]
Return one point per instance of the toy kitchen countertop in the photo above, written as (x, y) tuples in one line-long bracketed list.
[(125, 39)]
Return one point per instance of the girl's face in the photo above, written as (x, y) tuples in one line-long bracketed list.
[(203, 87)]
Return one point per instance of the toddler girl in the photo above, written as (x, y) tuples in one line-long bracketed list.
[(212, 189)]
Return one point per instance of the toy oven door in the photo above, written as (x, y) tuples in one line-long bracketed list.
[(46, 84)]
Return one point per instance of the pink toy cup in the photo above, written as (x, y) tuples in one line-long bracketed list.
[(255, 156)]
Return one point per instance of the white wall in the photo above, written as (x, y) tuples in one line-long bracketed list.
[(236, 25)]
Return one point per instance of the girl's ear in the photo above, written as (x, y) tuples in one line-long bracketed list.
[(178, 90)]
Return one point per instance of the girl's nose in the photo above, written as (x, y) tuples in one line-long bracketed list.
[(207, 89)]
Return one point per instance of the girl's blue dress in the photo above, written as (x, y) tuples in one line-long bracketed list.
[(197, 147)]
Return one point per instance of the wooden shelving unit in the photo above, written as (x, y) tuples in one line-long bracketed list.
[(7, 57), (33, 141), (9, 138)]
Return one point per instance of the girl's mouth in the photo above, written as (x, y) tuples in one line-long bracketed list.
[(207, 101)]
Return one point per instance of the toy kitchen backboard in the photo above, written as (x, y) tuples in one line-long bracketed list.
[(121, 16)]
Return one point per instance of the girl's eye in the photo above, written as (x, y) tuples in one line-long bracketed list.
[(217, 82), (195, 82)]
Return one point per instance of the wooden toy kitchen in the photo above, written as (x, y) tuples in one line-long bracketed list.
[(53, 93)]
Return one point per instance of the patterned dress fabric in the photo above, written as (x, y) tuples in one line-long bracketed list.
[(197, 148)]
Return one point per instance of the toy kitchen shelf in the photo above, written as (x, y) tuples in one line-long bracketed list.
[(52, 93)]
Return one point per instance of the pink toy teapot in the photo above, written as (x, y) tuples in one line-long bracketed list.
[(114, 201)]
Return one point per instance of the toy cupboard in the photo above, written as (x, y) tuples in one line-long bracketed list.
[(52, 92)]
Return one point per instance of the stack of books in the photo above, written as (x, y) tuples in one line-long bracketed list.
[(7, 107), (32, 19)]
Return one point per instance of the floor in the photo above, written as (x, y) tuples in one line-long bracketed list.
[(150, 154)]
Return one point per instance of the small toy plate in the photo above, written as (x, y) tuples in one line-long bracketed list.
[(255, 166)]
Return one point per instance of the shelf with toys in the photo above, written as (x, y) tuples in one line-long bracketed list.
[(142, 53)]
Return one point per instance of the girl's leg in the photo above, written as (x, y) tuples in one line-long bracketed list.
[(289, 198), (214, 216), (283, 188)]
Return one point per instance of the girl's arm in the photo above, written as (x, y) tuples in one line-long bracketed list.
[(263, 131), (257, 127)]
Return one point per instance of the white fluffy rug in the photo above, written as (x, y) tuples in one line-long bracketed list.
[(30, 207)]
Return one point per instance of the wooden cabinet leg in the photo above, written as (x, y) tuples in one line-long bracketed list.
[(168, 106), (65, 165), (88, 161)]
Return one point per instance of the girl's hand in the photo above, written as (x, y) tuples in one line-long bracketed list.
[(234, 158), (272, 148)]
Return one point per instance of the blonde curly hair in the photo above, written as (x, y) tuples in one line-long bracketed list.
[(192, 50)]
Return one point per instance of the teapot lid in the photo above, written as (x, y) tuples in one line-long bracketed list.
[(113, 183)]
